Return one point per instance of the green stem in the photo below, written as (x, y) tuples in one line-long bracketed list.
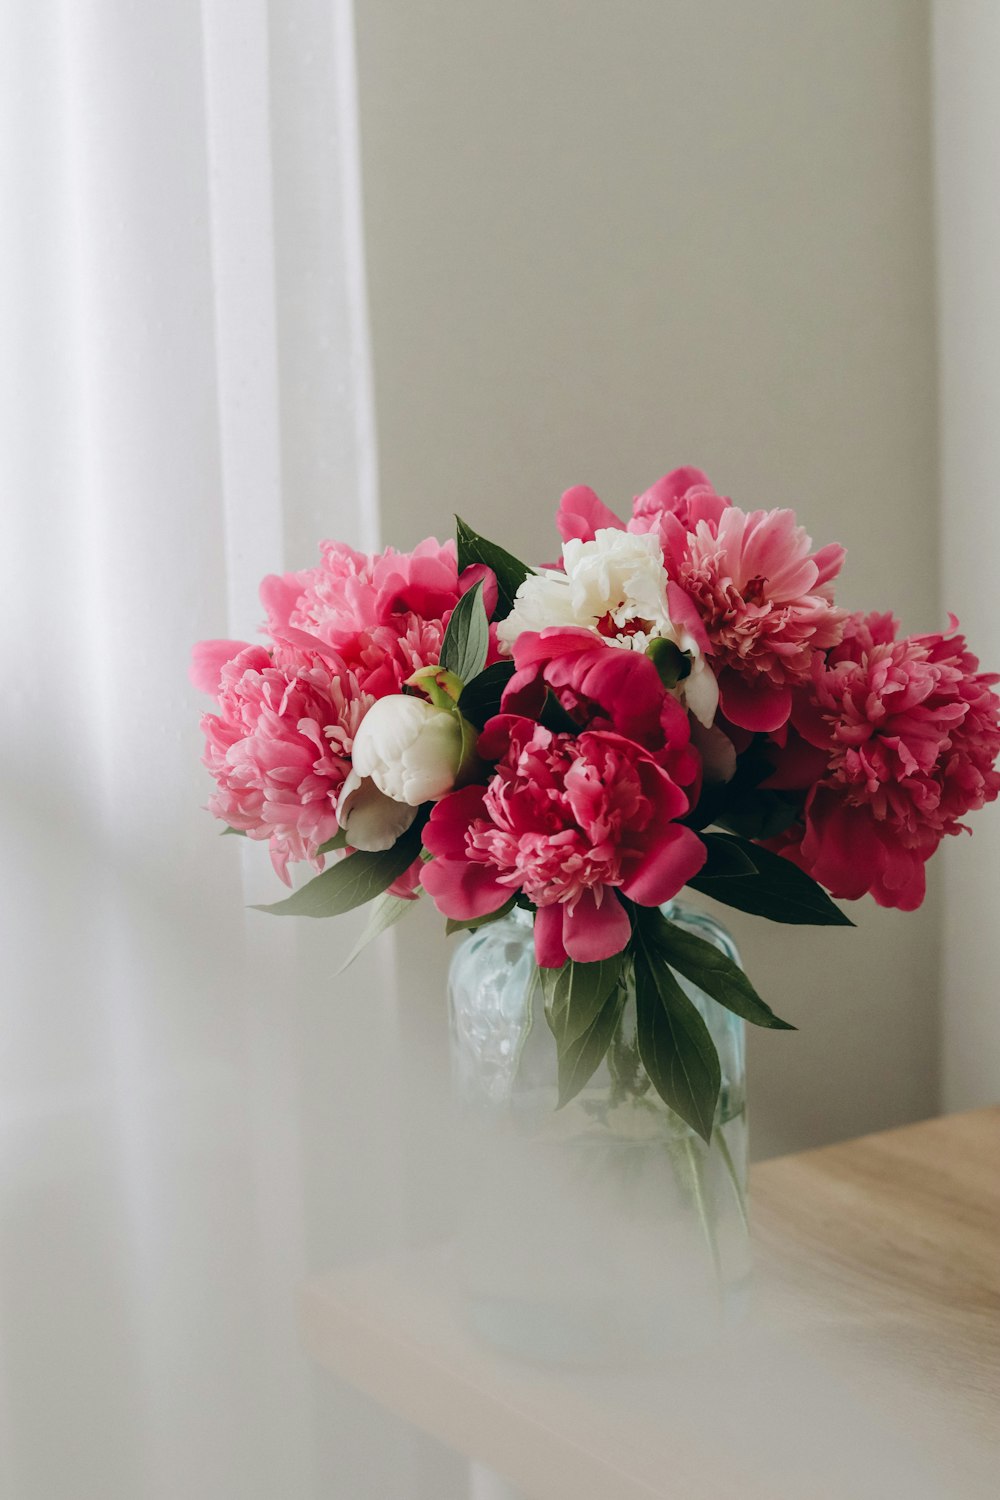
[(695, 1165), (737, 1185)]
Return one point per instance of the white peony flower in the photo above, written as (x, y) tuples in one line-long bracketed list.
[(616, 586), (410, 749), (370, 819)]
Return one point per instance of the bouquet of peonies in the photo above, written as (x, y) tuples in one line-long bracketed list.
[(677, 702)]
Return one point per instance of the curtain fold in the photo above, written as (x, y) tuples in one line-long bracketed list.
[(187, 406)]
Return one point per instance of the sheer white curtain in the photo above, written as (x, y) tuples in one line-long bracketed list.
[(186, 406)]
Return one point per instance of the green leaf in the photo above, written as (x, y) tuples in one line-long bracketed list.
[(757, 814), (580, 1059), (339, 841), (480, 698), (575, 994), (510, 573), (724, 859), (707, 967), (352, 881), (467, 638), (780, 891), (470, 924), (674, 1044), (742, 805), (386, 910), (240, 832), (469, 762)]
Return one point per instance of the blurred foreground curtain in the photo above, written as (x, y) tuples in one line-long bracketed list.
[(186, 407), (966, 101)]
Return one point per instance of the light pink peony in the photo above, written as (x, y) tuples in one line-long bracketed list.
[(381, 616), (911, 733), (347, 631), (570, 822), (765, 601), (208, 658), (279, 748)]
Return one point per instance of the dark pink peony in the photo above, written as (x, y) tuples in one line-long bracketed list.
[(910, 732), (570, 822), (380, 616), (685, 493), (279, 747), (602, 687)]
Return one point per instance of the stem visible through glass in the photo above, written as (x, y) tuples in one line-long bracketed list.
[(730, 1166), (695, 1165)]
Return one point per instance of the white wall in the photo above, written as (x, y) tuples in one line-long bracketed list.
[(607, 239), (967, 150)]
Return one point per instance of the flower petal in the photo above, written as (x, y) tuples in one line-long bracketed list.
[(370, 819), (666, 865), (549, 950), (207, 661), (581, 514), (480, 573), (717, 751), (754, 703), (463, 890), (449, 819), (591, 932)]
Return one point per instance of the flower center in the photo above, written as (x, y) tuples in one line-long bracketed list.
[(608, 626), (753, 589)]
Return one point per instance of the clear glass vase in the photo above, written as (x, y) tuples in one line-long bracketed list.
[(606, 1231)]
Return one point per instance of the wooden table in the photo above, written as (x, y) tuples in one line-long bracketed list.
[(871, 1364)]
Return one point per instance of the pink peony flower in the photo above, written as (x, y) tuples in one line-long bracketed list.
[(602, 687), (581, 515), (685, 493), (279, 748), (348, 631), (911, 732), (207, 661), (382, 616), (765, 603), (570, 822)]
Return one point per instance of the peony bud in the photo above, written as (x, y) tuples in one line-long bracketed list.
[(413, 751)]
